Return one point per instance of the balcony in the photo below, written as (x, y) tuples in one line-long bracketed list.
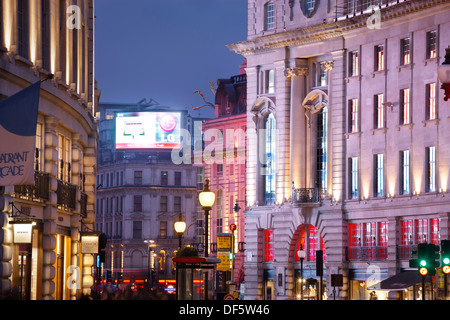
[(406, 252), (305, 195), (38, 191), (367, 253), (66, 195)]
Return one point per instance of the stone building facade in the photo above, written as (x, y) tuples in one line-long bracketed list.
[(347, 136), (35, 41)]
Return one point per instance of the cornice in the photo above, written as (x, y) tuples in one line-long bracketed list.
[(327, 31)]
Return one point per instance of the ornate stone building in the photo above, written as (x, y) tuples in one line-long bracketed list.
[(36, 40), (347, 136)]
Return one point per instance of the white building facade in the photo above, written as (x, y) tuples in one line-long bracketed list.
[(348, 148)]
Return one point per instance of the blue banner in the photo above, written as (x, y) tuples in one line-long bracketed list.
[(18, 120)]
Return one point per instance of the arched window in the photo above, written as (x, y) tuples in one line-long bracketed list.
[(269, 16), (270, 159), (310, 241)]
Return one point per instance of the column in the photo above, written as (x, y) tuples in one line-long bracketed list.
[(297, 74), (6, 247), (50, 213)]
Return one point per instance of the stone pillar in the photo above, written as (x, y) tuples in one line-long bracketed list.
[(393, 242), (50, 213), (297, 74), (337, 120), (6, 248), (89, 172), (253, 257)]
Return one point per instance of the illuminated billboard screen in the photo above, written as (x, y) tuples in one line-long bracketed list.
[(148, 130)]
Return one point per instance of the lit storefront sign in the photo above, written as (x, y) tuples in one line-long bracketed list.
[(23, 232), (89, 243)]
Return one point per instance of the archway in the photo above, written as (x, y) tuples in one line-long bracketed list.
[(305, 282)]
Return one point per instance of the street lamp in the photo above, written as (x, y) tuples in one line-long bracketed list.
[(206, 199), (444, 74), (149, 276), (180, 227)]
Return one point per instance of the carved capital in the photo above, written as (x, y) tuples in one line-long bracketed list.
[(326, 65), (295, 71)]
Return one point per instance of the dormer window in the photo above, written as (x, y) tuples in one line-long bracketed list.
[(309, 7)]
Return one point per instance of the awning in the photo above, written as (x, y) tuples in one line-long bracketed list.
[(399, 282)]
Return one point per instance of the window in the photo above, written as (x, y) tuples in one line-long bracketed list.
[(163, 203), (435, 231), (137, 229), (383, 234), (23, 32), (268, 245), (431, 44), (39, 153), (379, 58), (407, 232), (354, 177), (355, 234), (353, 64), (404, 172), (64, 157), (354, 119), (269, 16), (137, 203), (45, 34), (405, 51), (177, 178), (219, 210), (431, 169), (378, 111), (270, 81), (177, 204), (431, 101), (163, 229), (310, 4), (137, 177), (164, 178), (322, 149), (270, 159), (369, 234), (405, 117), (313, 242), (421, 230), (379, 175)]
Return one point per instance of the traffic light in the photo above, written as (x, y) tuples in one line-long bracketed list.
[(119, 277), (102, 239), (319, 263), (422, 260), (428, 259), (108, 276), (445, 256)]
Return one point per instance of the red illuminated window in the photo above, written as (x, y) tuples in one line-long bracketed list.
[(434, 230), (369, 234), (313, 242), (300, 241), (421, 228), (407, 232), (355, 234), (268, 245)]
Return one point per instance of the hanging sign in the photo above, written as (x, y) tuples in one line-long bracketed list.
[(89, 244), (22, 232)]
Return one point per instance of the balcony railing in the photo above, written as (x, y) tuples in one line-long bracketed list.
[(406, 252), (66, 195), (40, 189), (306, 195), (367, 253), (350, 8)]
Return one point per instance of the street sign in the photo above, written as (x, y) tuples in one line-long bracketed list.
[(228, 297), (233, 227), (224, 242)]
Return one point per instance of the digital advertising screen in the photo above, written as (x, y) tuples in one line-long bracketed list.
[(148, 130)]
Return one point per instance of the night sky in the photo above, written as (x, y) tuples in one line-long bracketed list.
[(166, 49)]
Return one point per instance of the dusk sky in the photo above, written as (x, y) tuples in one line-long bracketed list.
[(166, 49)]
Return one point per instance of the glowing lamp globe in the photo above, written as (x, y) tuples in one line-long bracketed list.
[(206, 197), (444, 74), (180, 227)]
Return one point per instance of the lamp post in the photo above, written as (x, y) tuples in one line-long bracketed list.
[(206, 199), (444, 74), (149, 276), (301, 254), (180, 227)]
